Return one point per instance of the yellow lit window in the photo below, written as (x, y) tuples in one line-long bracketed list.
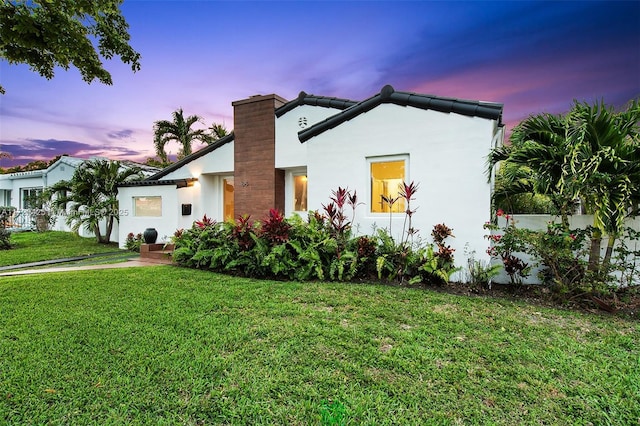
[(386, 180), (147, 206), (300, 193), (228, 198)]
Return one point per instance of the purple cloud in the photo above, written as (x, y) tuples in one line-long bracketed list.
[(41, 149), (120, 134)]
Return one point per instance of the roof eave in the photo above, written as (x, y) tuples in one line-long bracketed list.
[(491, 111), (189, 158), (313, 100)]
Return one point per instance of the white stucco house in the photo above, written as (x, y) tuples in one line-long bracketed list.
[(290, 155), (19, 189)]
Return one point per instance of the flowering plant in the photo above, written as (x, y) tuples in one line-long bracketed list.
[(203, 223), (133, 242), (503, 246)]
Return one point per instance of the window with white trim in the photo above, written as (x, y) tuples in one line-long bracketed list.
[(386, 177), (227, 198), (147, 206), (300, 193), (31, 198)]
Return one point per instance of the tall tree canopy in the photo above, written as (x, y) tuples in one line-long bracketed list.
[(591, 155), (48, 33), (217, 131), (91, 196), (180, 130)]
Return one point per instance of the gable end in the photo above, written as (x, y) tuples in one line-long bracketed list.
[(313, 100), (488, 110)]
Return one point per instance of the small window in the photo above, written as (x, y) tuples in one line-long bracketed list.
[(7, 198), (227, 198), (31, 198), (300, 193), (386, 182), (147, 206)]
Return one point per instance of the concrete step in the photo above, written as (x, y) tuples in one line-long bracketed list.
[(159, 253)]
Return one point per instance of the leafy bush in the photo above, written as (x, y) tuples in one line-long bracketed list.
[(5, 239), (505, 245), (133, 242), (627, 258), (561, 252), (321, 248), (5, 235), (438, 266), (480, 272)]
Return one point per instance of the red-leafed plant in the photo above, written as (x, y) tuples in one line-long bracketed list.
[(205, 222), (241, 232), (335, 211), (407, 191), (439, 233), (275, 228)]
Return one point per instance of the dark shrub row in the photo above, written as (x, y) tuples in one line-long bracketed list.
[(321, 248)]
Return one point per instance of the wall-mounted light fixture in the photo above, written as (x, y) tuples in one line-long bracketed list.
[(183, 183)]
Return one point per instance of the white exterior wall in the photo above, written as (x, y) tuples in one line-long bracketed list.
[(63, 171), (446, 154), (205, 196), (165, 224), (291, 155), (218, 161), (538, 222), (24, 180), (59, 171)]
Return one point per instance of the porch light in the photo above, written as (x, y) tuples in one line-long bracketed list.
[(183, 183)]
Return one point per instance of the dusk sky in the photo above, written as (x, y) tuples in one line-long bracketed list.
[(531, 56)]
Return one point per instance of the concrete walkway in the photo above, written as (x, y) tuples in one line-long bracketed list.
[(127, 264)]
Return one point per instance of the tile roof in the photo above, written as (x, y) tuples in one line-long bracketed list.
[(313, 100), (180, 183), (302, 99), (189, 158), (489, 110)]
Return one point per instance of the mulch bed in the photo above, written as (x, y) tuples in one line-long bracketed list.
[(624, 302)]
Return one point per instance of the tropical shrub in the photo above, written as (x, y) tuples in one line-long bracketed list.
[(480, 272), (505, 246), (5, 235), (627, 259), (320, 248), (562, 255), (133, 242), (439, 265)]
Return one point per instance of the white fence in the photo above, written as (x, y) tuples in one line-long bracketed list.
[(538, 222)]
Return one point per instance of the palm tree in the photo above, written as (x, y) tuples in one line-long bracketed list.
[(591, 154), (605, 165), (90, 196), (216, 131), (535, 162), (180, 131)]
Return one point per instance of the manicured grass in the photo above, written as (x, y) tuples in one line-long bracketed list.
[(165, 345), (37, 246)]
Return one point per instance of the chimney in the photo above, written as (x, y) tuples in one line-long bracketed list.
[(258, 186)]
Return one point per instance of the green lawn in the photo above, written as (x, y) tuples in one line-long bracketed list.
[(37, 246), (165, 345)]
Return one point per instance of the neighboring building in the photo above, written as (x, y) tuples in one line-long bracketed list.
[(291, 155), (20, 190)]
